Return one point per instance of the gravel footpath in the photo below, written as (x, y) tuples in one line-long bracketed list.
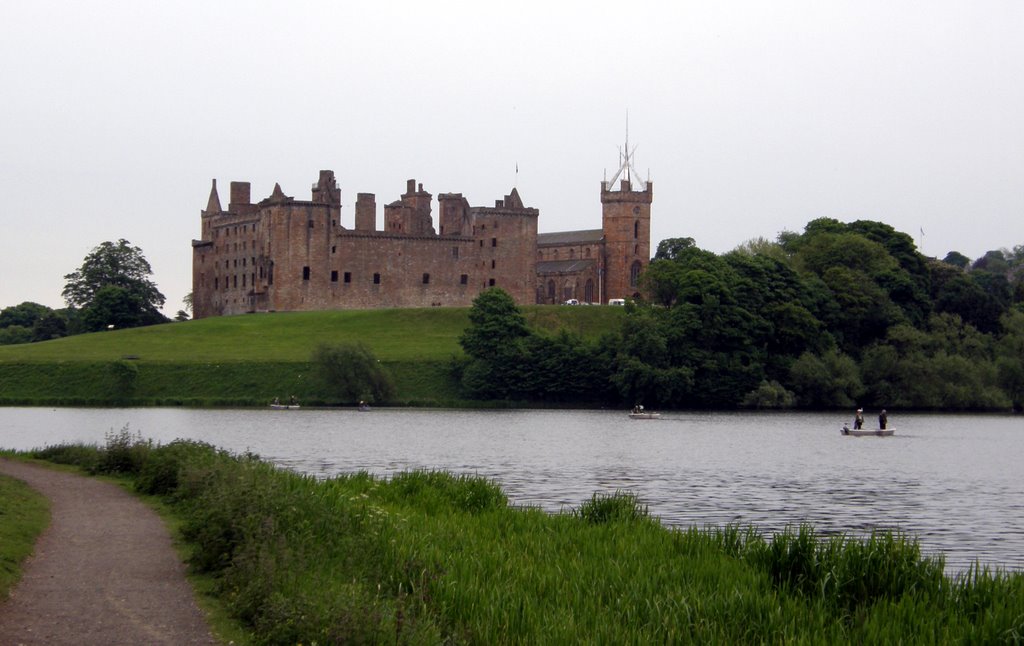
[(103, 572)]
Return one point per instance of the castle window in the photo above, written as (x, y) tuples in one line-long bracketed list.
[(243, 280), (245, 228), (588, 291), (310, 224), (494, 242), (464, 279), (334, 275), (551, 289), (216, 282), (634, 273), (334, 248), (227, 264), (348, 277), (270, 274), (376, 279), (236, 263), (490, 283), (305, 273), (636, 229), (572, 254), (481, 243), (252, 279), (493, 262), (254, 261), (455, 253), (235, 281), (426, 279), (243, 262)]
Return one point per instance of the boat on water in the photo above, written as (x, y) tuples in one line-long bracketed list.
[(866, 432), (284, 406), (644, 415)]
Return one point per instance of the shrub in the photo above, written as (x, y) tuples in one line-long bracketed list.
[(622, 506), (349, 373)]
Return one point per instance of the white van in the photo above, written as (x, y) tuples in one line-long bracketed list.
[(616, 301)]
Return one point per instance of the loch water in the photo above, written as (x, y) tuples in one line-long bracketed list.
[(952, 481)]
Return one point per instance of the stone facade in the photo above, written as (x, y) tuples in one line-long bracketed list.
[(283, 254)]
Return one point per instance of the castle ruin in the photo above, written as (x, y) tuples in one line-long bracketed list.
[(283, 254)]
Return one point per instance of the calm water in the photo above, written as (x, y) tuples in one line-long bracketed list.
[(954, 481)]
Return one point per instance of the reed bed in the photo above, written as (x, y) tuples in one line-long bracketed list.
[(428, 557)]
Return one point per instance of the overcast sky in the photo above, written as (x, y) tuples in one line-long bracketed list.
[(752, 117)]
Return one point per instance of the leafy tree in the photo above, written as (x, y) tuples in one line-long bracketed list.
[(52, 325), (122, 267), (495, 324), (993, 261), (15, 334), (25, 314), (828, 381), (495, 341), (349, 373), (115, 307), (957, 259)]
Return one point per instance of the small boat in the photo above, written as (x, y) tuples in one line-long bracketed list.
[(866, 432), (284, 406), (364, 408), (644, 415)]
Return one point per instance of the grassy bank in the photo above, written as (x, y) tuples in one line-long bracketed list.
[(435, 558), (24, 514), (249, 360)]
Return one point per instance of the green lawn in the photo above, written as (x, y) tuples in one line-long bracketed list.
[(430, 334)]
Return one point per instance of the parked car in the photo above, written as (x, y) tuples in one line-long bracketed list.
[(572, 301), (616, 301)]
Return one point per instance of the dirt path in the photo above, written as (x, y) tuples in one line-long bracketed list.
[(103, 572)]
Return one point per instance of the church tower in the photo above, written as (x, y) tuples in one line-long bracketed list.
[(626, 220)]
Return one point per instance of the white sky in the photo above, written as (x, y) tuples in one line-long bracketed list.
[(752, 116)]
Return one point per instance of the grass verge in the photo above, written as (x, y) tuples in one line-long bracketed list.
[(429, 557), (24, 514)]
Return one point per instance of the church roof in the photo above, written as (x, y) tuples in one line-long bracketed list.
[(570, 237), (564, 266)]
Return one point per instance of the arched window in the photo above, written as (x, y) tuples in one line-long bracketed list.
[(588, 291), (586, 252), (551, 290), (636, 229), (634, 273), (572, 254)]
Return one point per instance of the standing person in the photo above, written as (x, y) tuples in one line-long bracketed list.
[(883, 419), (858, 419)]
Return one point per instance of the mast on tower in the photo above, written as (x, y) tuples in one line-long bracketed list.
[(626, 170)]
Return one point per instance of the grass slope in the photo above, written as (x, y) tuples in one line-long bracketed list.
[(251, 359)]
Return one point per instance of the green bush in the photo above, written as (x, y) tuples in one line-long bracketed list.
[(349, 373), (621, 506)]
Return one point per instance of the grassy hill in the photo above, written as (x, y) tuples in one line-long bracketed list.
[(250, 359)]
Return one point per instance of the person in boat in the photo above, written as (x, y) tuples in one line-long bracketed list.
[(858, 419), (883, 419), (294, 401), (277, 401)]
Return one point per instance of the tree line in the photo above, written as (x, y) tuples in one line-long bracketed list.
[(837, 316), (111, 289)]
